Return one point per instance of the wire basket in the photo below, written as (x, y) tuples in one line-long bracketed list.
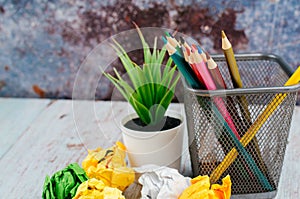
[(209, 142)]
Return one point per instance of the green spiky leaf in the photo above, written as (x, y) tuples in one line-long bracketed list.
[(152, 87)]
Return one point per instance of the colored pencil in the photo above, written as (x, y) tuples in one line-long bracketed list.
[(197, 64), (231, 62), (222, 137), (251, 132), (210, 85), (234, 72), (185, 45), (220, 83), (221, 111), (242, 151), (202, 53), (204, 76), (225, 118), (183, 67), (174, 43), (218, 101), (215, 72), (242, 101), (186, 53)]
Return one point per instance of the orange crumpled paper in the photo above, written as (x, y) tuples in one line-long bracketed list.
[(94, 188), (109, 166), (200, 188)]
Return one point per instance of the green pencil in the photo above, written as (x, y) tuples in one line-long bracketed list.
[(183, 67)]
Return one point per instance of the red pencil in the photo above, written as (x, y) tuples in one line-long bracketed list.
[(186, 53)]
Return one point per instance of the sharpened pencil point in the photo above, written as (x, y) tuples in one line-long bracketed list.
[(199, 49), (223, 34), (207, 55), (181, 40), (167, 34), (188, 51), (194, 46), (164, 39)]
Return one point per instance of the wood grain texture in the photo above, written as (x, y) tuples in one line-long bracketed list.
[(15, 116), (54, 134)]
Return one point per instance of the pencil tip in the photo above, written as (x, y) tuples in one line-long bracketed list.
[(171, 34), (193, 49), (181, 39), (223, 34), (207, 55), (199, 49), (187, 50), (167, 34), (164, 39)]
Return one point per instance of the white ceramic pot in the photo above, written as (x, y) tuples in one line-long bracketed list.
[(163, 148)]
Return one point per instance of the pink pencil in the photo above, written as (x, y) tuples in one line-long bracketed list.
[(210, 85), (196, 60)]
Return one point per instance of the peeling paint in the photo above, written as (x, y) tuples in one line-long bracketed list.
[(40, 92), (199, 23), (44, 44)]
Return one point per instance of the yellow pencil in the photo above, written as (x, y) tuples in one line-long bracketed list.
[(249, 135), (243, 104), (234, 73), (231, 62)]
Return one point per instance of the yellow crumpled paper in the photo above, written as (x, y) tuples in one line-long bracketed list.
[(109, 166), (200, 188), (94, 188)]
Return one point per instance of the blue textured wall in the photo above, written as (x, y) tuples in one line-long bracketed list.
[(43, 43)]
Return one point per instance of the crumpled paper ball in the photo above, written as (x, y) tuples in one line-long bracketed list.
[(64, 183), (96, 189), (161, 182), (200, 188), (109, 166)]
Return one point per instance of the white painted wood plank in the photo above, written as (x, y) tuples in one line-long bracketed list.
[(61, 134), (48, 144), (15, 116), (289, 185), (55, 139)]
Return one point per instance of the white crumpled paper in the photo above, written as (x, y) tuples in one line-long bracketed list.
[(161, 182)]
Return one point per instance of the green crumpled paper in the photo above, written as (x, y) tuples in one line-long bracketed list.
[(64, 183)]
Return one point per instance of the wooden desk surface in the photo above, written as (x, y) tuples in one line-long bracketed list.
[(41, 136)]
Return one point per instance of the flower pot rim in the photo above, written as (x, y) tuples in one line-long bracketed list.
[(131, 116)]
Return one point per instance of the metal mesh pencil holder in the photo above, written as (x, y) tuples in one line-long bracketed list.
[(269, 109)]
